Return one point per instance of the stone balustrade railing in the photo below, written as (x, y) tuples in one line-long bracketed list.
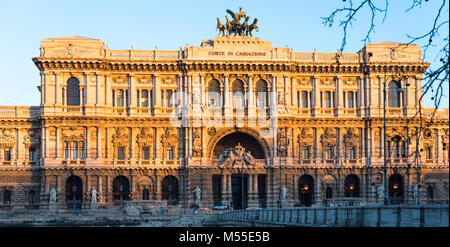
[(348, 216), (19, 111)]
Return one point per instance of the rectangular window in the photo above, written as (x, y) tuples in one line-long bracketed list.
[(120, 98), (7, 156), (144, 98), (170, 153), (298, 99), (352, 152), (327, 99), (329, 152), (146, 153), (66, 150), (32, 154), (350, 100), (82, 151), (306, 152), (74, 151), (429, 153), (305, 99), (169, 98), (121, 153)]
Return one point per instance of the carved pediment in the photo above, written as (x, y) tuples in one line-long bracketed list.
[(351, 137), (169, 139), (305, 138), (147, 79), (145, 138), (122, 79), (73, 134), (120, 138), (168, 80), (32, 138), (328, 137), (7, 138)]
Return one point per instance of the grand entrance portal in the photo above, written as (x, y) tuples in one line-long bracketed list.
[(74, 192), (239, 188)]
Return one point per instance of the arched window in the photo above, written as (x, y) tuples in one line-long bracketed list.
[(214, 93), (261, 94), (6, 197), (394, 94), (238, 94), (31, 197), (73, 92)]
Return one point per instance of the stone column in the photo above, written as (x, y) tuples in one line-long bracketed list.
[(132, 94), (156, 94), (108, 90), (339, 95), (315, 96)]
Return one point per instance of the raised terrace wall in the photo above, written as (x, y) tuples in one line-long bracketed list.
[(367, 216)]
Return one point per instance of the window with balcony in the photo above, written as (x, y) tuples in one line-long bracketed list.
[(329, 152), (32, 154), (306, 152), (73, 92), (146, 153), (169, 153), (327, 99), (121, 153), (143, 98), (429, 153), (351, 152)]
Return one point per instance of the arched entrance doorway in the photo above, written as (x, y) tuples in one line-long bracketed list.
[(306, 190), (241, 144), (396, 189), (170, 190), (351, 186), (121, 190), (74, 192)]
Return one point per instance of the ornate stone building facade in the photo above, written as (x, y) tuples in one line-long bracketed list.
[(234, 116)]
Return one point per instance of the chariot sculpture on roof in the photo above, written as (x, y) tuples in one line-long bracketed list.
[(234, 27)]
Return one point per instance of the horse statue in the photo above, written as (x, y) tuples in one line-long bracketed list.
[(236, 22), (228, 26), (220, 27), (252, 27), (244, 27)]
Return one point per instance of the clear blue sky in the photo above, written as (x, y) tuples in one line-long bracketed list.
[(171, 24)]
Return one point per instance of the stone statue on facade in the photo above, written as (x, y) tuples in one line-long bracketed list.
[(197, 191), (238, 157), (283, 193), (52, 195), (380, 193), (416, 192), (234, 27), (220, 27), (93, 196)]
